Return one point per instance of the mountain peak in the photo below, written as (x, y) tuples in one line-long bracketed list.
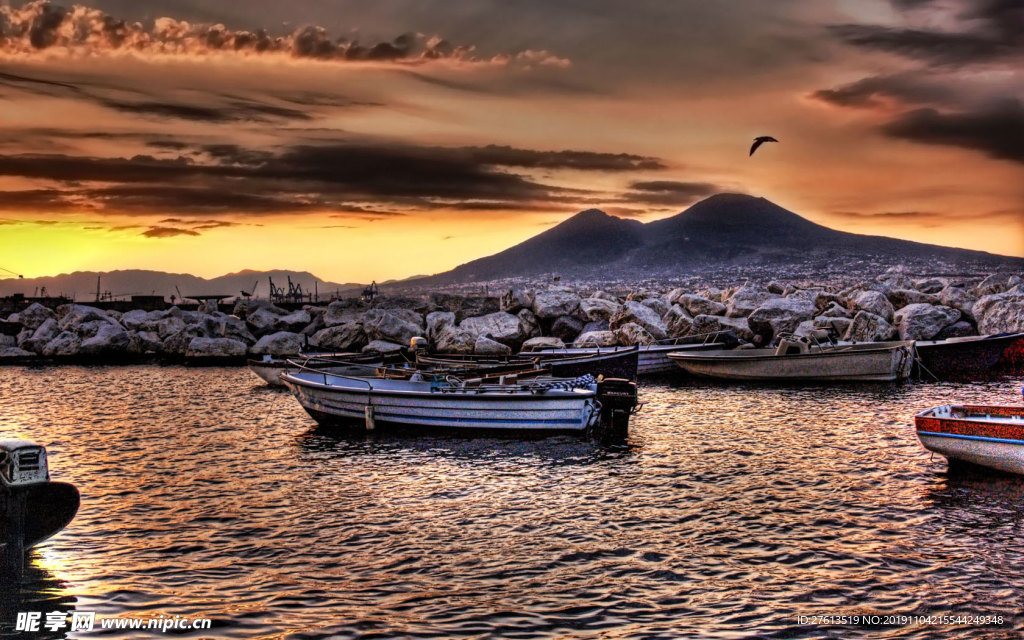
[(731, 198), (726, 231), (590, 216), (592, 213)]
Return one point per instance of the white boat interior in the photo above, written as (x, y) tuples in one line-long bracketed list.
[(546, 386)]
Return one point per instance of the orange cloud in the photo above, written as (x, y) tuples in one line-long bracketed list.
[(39, 26)]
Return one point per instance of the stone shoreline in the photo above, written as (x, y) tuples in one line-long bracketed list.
[(890, 307)]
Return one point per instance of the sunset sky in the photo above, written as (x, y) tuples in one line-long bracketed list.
[(377, 140)]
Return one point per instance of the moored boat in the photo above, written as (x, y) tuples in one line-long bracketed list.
[(34, 507), (652, 359), (1012, 361), (269, 368), (800, 360), (960, 358), (987, 436), (538, 406), (610, 363)]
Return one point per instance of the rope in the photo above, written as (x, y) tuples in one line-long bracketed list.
[(575, 383), (921, 367)]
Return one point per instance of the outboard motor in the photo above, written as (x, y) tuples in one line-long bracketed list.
[(418, 344), (22, 462), (618, 400)]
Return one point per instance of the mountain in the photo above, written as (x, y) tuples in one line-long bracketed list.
[(591, 237), (81, 285), (728, 231)]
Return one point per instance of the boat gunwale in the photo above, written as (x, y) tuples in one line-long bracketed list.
[(641, 349), (968, 340), (524, 357), (523, 394), (742, 355), (927, 414)]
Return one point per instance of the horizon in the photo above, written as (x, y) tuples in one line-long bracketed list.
[(402, 278), (379, 142)]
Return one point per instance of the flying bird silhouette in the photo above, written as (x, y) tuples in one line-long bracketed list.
[(758, 141)]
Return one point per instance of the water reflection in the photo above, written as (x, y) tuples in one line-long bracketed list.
[(731, 510), (560, 450), (39, 590)]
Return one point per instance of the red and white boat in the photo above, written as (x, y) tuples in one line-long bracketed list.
[(988, 436)]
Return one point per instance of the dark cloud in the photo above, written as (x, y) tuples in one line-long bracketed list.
[(668, 192), (36, 200), (937, 47), (984, 31), (146, 199), (870, 91), (318, 99), (890, 215), (167, 232), (219, 109), (214, 224), (567, 159), (364, 179), (37, 84), (172, 145), (997, 131), (1002, 18), (39, 25), (235, 111), (911, 4), (931, 218)]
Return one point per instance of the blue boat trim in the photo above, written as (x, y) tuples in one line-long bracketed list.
[(963, 437), (384, 415)]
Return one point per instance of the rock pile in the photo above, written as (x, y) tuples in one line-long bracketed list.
[(891, 307)]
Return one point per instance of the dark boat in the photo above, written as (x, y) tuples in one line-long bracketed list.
[(613, 363), (52, 506), (34, 508), (963, 358), (1012, 361), (653, 358)]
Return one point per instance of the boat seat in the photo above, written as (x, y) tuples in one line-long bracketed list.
[(790, 346)]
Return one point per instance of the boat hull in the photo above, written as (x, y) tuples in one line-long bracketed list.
[(964, 358), (612, 363), (270, 369), (991, 437), (854, 363), (652, 360), (49, 508), (270, 372), (340, 401), (1012, 360)]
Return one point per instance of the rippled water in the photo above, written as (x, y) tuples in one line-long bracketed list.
[(732, 510)]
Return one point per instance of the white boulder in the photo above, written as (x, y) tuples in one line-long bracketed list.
[(923, 321)]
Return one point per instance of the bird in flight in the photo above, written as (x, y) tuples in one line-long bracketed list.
[(758, 141)]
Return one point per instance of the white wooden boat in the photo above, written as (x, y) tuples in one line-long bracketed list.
[(866, 361), (536, 407), (988, 436), (269, 368), (652, 359)]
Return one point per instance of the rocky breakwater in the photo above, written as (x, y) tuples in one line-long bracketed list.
[(893, 306)]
